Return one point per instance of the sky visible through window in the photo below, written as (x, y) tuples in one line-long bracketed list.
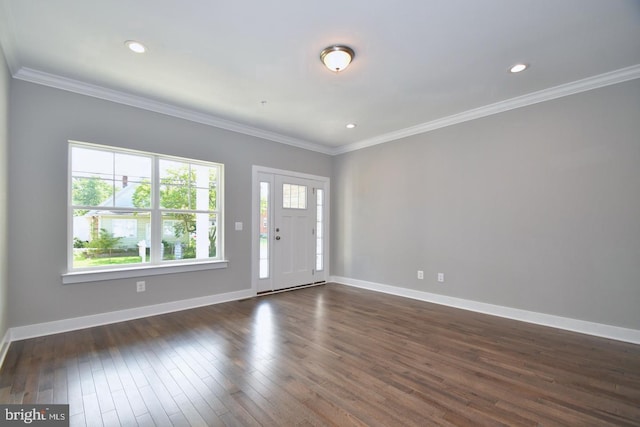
[(87, 162)]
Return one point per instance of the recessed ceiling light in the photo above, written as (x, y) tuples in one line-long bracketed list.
[(517, 68), (135, 46), (351, 125)]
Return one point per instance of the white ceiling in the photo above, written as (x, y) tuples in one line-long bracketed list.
[(419, 64)]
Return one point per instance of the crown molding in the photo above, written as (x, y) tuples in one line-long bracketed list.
[(578, 86), (95, 91), (76, 86)]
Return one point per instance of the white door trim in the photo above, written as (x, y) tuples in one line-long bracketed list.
[(255, 217)]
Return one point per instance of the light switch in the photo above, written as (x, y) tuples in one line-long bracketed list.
[(238, 226)]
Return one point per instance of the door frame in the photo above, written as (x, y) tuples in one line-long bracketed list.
[(255, 220)]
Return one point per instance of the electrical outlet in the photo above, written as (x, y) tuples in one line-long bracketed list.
[(141, 286), (420, 274), (441, 277)]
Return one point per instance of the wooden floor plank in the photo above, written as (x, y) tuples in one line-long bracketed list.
[(156, 411), (123, 408), (327, 356), (92, 413), (103, 392), (110, 418), (77, 420), (189, 411), (74, 389)]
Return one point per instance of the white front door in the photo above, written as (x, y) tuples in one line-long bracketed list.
[(290, 223), (294, 232)]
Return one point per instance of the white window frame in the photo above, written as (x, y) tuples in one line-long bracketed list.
[(155, 266)]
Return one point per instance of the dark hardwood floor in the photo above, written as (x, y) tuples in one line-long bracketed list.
[(327, 355)]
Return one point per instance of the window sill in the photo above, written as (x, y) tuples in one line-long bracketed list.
[(141, 271)]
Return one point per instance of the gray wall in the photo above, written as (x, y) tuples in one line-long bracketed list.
[(536, 208), (5, 79), (42, 121)]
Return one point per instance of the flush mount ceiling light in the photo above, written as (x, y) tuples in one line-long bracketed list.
[(135, 46), (337, 58), (517, 68), (351, 125)]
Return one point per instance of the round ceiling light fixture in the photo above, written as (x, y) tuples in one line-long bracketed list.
[(517, 68), (337, 57), (351, 125), (135, 46)]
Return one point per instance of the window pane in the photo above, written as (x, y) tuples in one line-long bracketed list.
[(264, 230), (189, 236), (212, 187), (188, 186), (319, 229), (302, 197), (103, 238), (86, 162), (205, 187), (107, 179), (213, 192), (174, 172), (132, 168), (294, 196), (176, 185), (286, 196), (92, 177), (132, 178), (91, 191)]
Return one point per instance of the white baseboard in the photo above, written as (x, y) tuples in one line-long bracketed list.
[(4, 346), (581, 326), (65, 325)]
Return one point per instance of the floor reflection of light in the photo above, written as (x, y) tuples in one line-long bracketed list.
[(318, 321), (319, 313), (263, 337)]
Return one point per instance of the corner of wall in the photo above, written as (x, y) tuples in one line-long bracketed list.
[(5, 79)]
